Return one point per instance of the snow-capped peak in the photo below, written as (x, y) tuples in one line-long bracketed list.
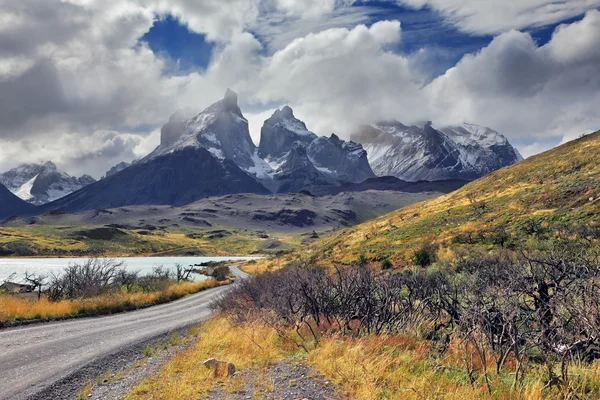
[(42, 183), (421, 152), (221, 129)]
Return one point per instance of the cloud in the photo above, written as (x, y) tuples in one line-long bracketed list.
[(526, 90), (78, 154), (493, 17), (79, 88)]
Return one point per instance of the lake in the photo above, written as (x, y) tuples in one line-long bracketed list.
[(144, 265)]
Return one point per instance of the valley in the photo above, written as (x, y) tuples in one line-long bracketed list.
[(240, 224)]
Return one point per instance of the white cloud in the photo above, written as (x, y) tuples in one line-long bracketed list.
[(76, 85), (496, 16), (525, 90)]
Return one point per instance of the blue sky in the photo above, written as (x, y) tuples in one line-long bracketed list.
[(422, 28)]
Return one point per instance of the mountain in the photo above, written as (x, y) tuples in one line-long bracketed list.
[(42, 183), (341, 160), (11, 205), (280, 132), (178, 178), (415, 153), (298, 173), (119, 167), (298, 159), (289, 157), (221, 129), (544, 195)]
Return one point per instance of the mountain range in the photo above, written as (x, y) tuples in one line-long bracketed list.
[(212, 154), (42, 183), (416, 153)]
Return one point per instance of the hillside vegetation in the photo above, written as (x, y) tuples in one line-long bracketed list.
[(554, 190)]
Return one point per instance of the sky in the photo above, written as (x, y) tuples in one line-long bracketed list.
[(89, 83)]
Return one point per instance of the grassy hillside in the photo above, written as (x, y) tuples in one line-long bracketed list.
[(93, 240), (539, 195)]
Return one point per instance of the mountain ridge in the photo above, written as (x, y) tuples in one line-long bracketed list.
[(42, 183), (544, 193), (416, 153)]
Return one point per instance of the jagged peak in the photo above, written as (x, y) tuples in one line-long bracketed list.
[(230, 95), (230, 101), (286, 113), (334, 138), (50, 165)]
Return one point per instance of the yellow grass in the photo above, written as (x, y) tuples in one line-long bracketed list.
[(185, 377), (13, 308), (369, 368)]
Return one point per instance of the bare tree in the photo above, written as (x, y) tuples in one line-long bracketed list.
[(37, 282)]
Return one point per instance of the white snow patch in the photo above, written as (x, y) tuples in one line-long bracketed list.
[(24, 192), (261, 169)]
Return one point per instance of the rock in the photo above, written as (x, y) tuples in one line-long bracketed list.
[(220, 369)]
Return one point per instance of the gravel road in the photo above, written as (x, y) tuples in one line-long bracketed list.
[(36, 357)]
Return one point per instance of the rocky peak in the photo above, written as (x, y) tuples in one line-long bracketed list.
[(230, 102), (221, 129), (42, 183), (280, 132), (50, 166), (422, 152)]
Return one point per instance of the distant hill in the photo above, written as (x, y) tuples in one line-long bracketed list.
[(558, 188), (11, 205)]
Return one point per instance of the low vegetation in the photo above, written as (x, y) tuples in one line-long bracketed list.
[(41, 240), (96, 287), (518, 323)]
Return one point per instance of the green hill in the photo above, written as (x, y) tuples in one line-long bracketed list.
[(553, 190)]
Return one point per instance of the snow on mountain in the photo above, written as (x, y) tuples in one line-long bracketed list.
[(416, 153), (221, 129), (280, 132), (42, 183), (335, 159), (341, 160)]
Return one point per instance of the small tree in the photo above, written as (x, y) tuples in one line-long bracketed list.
[(37, 281)]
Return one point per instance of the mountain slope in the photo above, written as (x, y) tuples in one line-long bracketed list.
[(341, 160), (221, 129), (536, 196), (12, 205), (42, 183), (175, 179), (415, 153)]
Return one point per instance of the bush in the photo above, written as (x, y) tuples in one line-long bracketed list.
[(386, 264), (425, 255), (221, 273)]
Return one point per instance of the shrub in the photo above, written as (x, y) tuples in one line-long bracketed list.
[(425, 255), (386, 264)]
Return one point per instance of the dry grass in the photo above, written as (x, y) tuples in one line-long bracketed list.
[(184, 376), (13, 308), (368, 368)]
